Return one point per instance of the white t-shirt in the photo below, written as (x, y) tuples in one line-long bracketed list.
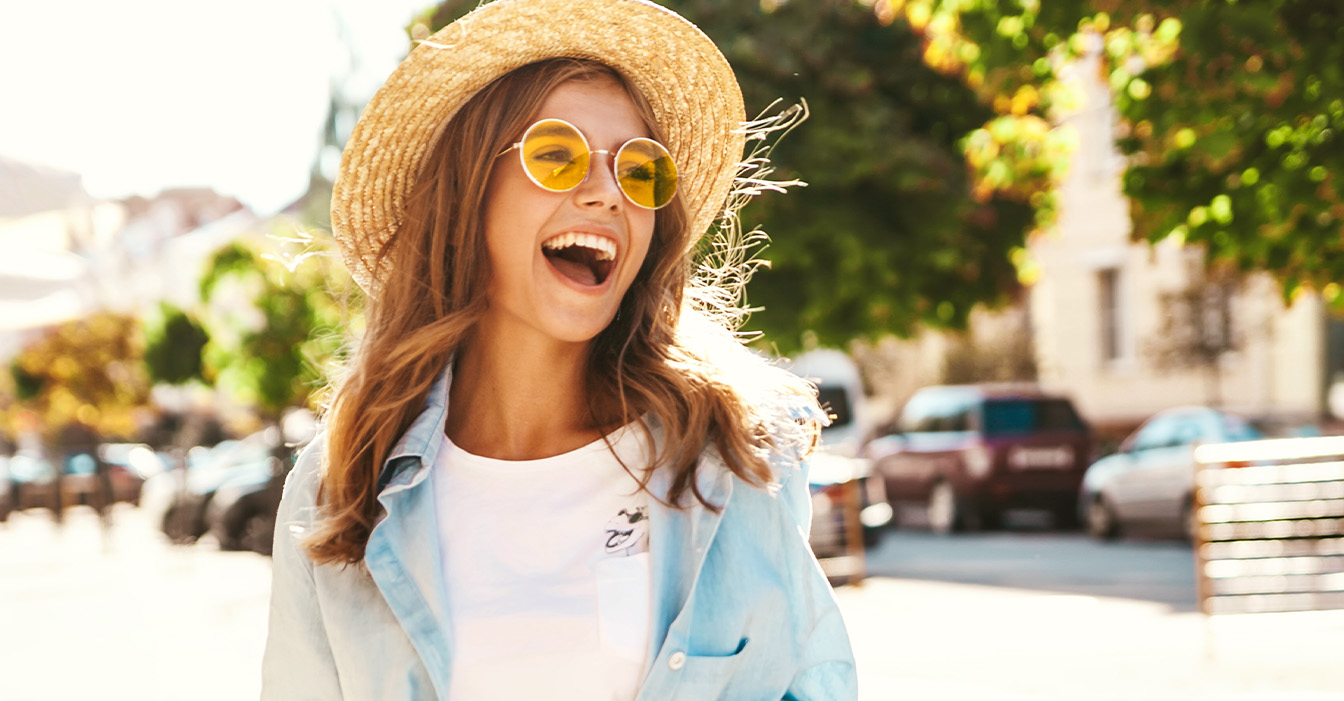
[(547, 568)]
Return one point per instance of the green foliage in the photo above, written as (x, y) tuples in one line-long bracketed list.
[(27, 386), (89, 371), (889, 232), (1238, 140), (1006, 51), (234, 260), (174, 342), (1231, 114), (1002, 48), (278, 311)]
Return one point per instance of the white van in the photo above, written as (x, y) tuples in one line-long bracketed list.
[(840, 391), (839, 459)]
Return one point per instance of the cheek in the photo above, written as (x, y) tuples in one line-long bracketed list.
[(641, 234), (512, 220)]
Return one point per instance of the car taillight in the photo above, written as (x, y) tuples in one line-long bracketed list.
[(834, 492), (827, 498)]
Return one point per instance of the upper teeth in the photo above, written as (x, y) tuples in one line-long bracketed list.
[(605, 247)]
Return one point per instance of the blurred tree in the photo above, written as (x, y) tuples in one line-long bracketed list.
[(1237, 141), (27, 386), (89, 371), (893, 229), (1231, 113), (277, 311), (174, 342)]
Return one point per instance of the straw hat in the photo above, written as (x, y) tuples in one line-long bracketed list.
[(685, 78)]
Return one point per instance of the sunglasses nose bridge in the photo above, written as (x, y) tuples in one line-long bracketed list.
[(610, 154), (615, 180)]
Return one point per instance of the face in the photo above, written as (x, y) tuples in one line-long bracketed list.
[(547, 249)]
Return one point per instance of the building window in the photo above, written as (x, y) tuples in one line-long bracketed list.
[(1112, 330)]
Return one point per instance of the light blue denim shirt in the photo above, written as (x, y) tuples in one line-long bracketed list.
[(741, 610)]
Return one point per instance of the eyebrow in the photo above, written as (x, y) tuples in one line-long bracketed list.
[(553, 130), (559, 129)]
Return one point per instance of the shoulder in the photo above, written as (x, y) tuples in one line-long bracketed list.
[(793, 422), (785, 429)]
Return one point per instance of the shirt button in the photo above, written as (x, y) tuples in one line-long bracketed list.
[(676, 661)]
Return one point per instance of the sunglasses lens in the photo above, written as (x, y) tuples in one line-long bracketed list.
[(555, 155), (646, 173)]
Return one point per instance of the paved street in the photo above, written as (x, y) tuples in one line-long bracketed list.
[(1160, 571), (1017, 616), (1031, 615)]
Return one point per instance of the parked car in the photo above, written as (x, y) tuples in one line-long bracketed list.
[(6, 489), (1149, 484), (185, 513), (89, 476), (837, 463), (242, 513), (128, 466), (32, 481), (967, 453), (830, 476)]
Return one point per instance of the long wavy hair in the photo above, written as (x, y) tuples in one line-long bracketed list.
[(669, 354)]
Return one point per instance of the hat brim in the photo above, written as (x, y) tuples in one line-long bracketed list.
[(686, 80)]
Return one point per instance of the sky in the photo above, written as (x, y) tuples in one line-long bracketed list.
[(142, 95)]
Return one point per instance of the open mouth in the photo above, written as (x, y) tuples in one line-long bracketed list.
[(584, 258)]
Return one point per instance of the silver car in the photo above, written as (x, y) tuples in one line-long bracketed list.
[(1149, 484)]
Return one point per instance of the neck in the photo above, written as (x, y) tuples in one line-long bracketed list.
[(520, 400)]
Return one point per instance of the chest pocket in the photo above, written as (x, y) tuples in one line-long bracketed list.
[(710, 676)]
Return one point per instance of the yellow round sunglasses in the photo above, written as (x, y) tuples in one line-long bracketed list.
[(555, 155)]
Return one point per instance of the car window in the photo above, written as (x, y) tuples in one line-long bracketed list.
[(937, 411), (1159, 432), (1022, 416), (915, 413), (956, 418), (835, 400), (1186, 432)]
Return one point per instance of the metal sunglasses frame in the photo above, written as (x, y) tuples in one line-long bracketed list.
[(522, 161)]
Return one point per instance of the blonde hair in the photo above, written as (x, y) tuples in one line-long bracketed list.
[(667, 354)]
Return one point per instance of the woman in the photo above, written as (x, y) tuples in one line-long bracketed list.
[(551, 470)]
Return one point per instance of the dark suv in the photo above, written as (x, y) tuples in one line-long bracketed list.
[(966, 453)]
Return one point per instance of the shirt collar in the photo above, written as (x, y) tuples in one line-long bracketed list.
[(423, 439)]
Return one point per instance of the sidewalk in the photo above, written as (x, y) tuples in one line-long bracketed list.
[(130, 617), (127, 617), (925, 640)]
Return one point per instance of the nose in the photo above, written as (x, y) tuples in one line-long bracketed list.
[(599, 188)]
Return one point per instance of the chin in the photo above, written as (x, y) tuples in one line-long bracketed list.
[(580, 331)]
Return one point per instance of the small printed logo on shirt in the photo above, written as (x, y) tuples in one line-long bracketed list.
[(627, 532)]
